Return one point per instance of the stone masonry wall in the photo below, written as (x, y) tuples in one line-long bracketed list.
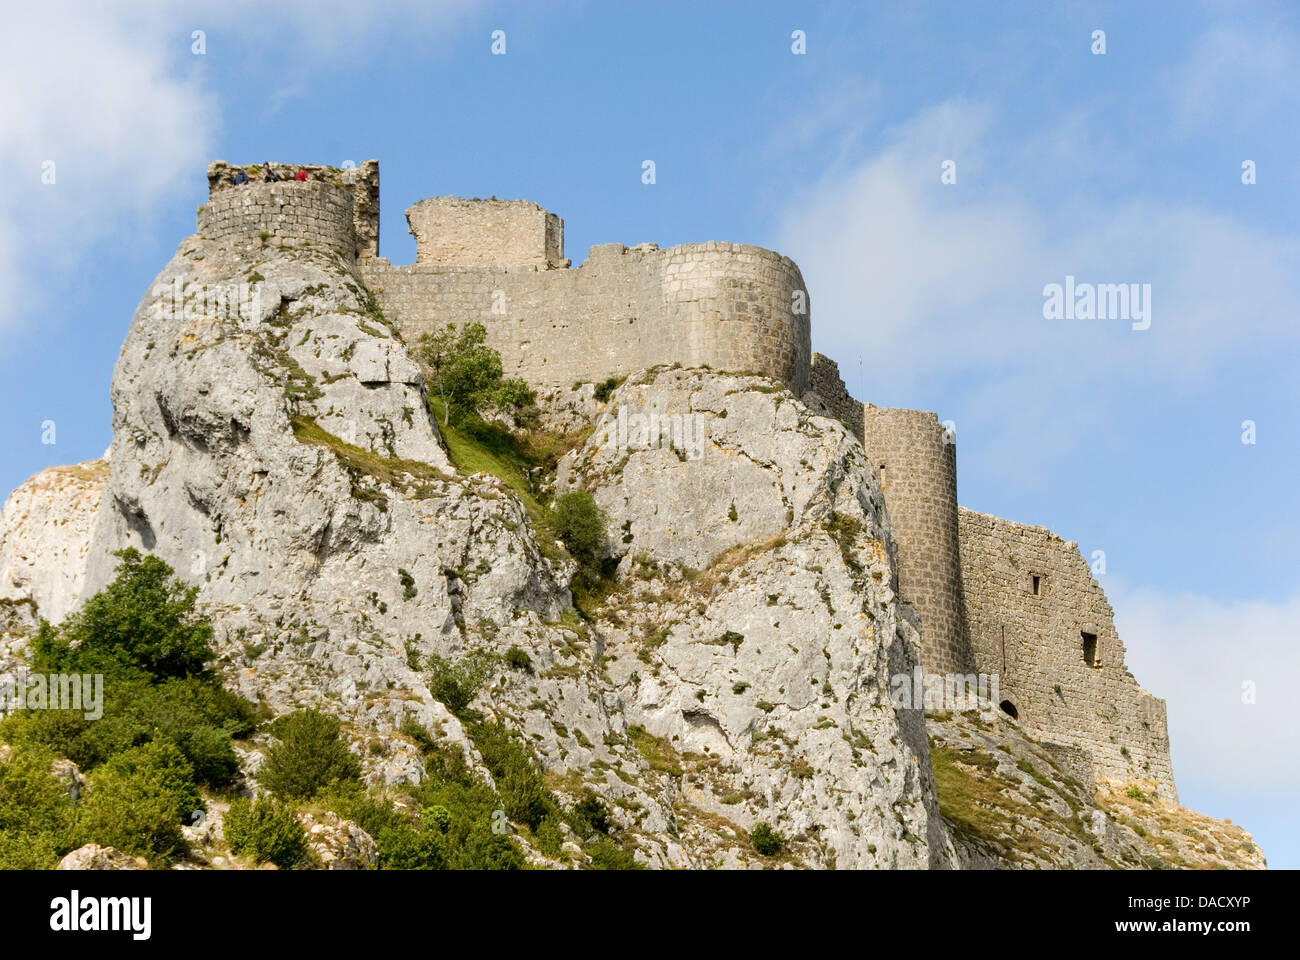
[(1034, 643), (453, 231), (917, 464), (361, 207), (728, 306), (311, 211), (828, 394)]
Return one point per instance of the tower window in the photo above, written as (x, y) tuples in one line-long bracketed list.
[(1089, 648), (1035, 582)]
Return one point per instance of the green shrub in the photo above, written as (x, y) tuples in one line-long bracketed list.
[(36, 813), (266, 829), (607, 855), (138, 801), (523, 793), (457, 682), (766, 840), (589, 816), (518, 659), (197, 715), (580, 525), (308, 756), (467, 374), (142, 634), (548, 836), (607, 387)]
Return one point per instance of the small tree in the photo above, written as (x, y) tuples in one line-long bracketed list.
[(580, 523), (467, 373), (457, 682), (309, 756), (145, 618)]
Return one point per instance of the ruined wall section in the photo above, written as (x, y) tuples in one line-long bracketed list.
[(453, 231), (828, 395), (726, 306), (917, 465), (1032, 635)]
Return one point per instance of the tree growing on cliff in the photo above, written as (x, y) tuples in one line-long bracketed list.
[(467, 373)]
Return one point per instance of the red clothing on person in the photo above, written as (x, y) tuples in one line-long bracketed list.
[(300, 175)]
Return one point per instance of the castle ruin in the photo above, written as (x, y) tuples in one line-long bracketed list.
[(993, 596)]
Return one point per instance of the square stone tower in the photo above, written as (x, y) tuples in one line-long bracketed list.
[(453, 231)]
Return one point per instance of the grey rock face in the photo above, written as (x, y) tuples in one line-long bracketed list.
[(689, 463), (280, 457), (94, 857), (44, 536), (279, 454), (761, 646)]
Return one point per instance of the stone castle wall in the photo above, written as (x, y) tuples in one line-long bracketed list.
[(829, 395), (723, 305), (1035, 643), (336, 207), (309, 212), (452, 231), (917, 465)]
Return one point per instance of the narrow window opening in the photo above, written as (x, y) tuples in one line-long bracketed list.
[(1089, 648), (1034, 583)]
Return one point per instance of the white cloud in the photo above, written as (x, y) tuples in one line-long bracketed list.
[(943, 284), (1230, 81), (113, 95), (109, 106), (1199, 654)]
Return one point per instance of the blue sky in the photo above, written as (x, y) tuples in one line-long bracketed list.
[(1117, 168)]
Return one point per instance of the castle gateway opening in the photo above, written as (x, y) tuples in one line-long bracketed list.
[(1009, 708)]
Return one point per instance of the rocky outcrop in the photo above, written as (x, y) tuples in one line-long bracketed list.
[(46, 526), (94, 857), (338, 844), (1010, 802)]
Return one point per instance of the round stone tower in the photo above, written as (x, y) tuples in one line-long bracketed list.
[(917, 462), (334, 207)]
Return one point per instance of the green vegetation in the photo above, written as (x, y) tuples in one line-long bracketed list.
[(580, 523), (467, 374), (605, 388), (266, 829), (518, 659), (165, 731), (36, 813), (457, 682), (308, 756), (361, 463), (845, 531), (766, 840), (657, 751)]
